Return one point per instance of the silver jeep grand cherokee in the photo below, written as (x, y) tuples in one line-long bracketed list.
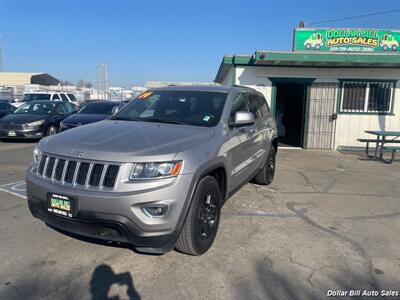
[(156, 174)]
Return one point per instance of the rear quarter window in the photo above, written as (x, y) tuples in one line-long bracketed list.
[(264, 110), (72, 97)]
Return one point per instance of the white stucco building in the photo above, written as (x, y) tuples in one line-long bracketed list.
[(322, 100)]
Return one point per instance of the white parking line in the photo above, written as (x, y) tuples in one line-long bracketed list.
[(15, 188), (13, 193), (11, 183)]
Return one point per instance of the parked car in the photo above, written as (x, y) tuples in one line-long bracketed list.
[(35, 119), (156, 174), (91, 112), (5, 108), (55, 96)]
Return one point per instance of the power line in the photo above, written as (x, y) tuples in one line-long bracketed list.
[(356, 17)]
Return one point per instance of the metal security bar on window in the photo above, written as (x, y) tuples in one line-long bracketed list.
[(380, 94), (366, 97), (354, 94)]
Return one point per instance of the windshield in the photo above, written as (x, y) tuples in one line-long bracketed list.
[(195, 108), (38, 108), (36, 96), (98, 108)]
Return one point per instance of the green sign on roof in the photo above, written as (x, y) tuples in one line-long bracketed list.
[(346, 40)]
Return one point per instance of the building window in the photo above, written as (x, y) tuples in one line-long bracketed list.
[(367, 97)]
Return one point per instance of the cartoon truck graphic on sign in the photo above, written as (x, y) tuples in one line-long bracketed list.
[(389, 42), (315, 41)]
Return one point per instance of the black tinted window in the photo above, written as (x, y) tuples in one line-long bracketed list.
[(239, 103), (64, 98), (254, 105), (56, 97), (36, 96), (263, 106), (98, 108), (72, 97)]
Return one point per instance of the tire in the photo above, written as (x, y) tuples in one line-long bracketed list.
[(267, 173), (52, 129), (204, 213), (385, 48), (394, 47)]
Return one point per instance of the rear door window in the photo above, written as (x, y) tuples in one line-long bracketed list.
[(254, 105), (64, 97), (263, 106), (56, 97), (239, 103)]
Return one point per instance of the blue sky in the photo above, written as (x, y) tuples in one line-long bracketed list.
[(168, 40)]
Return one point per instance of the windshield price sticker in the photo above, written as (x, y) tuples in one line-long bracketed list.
[(145, 95)]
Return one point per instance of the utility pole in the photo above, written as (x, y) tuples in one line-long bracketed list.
[(1, 54), (102, 81)]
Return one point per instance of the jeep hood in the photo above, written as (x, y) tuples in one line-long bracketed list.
[(126, 141)]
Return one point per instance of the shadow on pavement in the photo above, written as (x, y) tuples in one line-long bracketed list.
[(104, 277), (19, 141), (106, 243)]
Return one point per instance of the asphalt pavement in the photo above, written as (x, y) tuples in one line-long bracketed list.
[(330, 222)]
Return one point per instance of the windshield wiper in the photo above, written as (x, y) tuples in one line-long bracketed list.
[(155, 120), (158, 120), (123, 119)]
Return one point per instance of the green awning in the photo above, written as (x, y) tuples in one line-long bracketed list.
[(308, 59)]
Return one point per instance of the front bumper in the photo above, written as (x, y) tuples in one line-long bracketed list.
[(116, 216), (36, 133)]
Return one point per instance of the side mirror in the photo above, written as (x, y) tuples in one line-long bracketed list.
[(114, 110), (242, 118)]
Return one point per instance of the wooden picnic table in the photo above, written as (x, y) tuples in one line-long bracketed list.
[(382, 136)]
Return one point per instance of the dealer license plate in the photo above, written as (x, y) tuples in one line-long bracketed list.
[(60, 205)]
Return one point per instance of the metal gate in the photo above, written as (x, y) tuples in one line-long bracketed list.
[(322, 115)]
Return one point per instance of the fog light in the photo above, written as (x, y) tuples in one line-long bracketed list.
[(158, 210)]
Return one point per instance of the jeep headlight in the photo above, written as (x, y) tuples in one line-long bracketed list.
[(155, 170), (36, 123), (37, 154)]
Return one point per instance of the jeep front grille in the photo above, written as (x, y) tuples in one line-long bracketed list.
[(80, 173)]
